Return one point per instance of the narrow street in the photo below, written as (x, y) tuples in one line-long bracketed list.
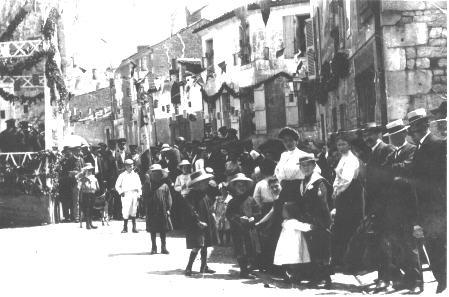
[(64, 260)]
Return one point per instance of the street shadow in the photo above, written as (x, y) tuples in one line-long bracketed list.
[(167, 272), (129, 254), (222, 254)]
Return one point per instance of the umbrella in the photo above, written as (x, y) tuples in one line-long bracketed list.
[(74, 140)]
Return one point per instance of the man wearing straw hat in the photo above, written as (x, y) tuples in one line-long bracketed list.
[(429, 180), (129, 187), (397, 222)]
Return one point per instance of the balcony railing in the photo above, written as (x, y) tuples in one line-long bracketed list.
[(25, 81), (19, 49)]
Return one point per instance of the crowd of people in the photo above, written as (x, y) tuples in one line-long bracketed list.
[(22, 138), (369, 199)]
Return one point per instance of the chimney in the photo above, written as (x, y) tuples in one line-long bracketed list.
[(141, 48)]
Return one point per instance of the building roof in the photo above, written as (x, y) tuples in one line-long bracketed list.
[(252, 6), (126, 60)]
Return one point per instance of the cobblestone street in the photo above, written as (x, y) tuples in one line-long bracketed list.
[(64, 260)]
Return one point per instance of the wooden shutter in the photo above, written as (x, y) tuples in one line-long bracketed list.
[(289, 35), (310, 44)]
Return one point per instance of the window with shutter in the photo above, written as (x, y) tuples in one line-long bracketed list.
[(310, 44)]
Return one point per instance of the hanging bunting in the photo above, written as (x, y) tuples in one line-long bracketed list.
[(222, 66), (265, 6), (22, 98), (23, 64)]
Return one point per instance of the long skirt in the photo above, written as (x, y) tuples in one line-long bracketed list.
[(348, 215)]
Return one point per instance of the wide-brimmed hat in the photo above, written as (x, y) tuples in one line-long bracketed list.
[(372, 127), (88, 166), (184, 163), (307, 158), (102, 144), (165, 147), (395, 127), (441, 109), (129, 162), (416, 116), (199, 176), (287, 131), (121, 140), (240, 177), (156, 167)]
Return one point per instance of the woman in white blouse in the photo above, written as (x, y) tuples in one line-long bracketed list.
[(347, 198)]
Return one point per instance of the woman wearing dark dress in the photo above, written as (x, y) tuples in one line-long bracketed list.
[(159, 203), (200, 231), (315, 192), (347, 197)]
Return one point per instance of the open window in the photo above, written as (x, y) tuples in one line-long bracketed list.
[(294, 35)]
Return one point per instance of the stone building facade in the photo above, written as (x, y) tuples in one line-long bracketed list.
[(258, 91), (151, 68), (91, 117), (377, 60)]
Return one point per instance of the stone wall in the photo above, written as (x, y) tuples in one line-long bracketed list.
[(415, 55)]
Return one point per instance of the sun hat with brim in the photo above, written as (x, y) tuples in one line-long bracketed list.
[(165, 147), (121, 140), (129, 162), (198, 176), (184, 163), (155, 167), (372, 127), (395, 127), (416, 116), (240, 177), (307, 158), (88, 166)]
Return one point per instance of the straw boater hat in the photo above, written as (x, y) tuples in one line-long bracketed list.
[(165, 147), (129, 162), (416, 116), (184, 163), (241, 177), (158, 167), (307, 158), (372, 127), (199, 176), (395, 127), (87, 167)]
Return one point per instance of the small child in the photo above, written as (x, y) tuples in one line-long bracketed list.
[(292, 247), (219, 213), (183, 179), (89, 186)]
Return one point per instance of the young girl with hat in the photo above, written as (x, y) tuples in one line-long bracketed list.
[(200, 225), (242, 213), (89, 186), (183, 179), (159, 204)]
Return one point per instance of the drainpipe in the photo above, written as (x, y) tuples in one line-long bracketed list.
[(380, 59)]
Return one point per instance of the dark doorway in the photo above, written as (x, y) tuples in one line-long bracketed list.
[(366, 95)]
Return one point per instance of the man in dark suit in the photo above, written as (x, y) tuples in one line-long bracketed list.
[(375, 181), (9, 137), (121, 155), (110, 174), (398, 246), (375, 171), (428, 175), (215, 160)]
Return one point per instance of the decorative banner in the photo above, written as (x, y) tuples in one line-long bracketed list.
[(265, 6), (22, 99)]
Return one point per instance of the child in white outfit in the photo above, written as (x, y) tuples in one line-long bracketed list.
[(291, 248)]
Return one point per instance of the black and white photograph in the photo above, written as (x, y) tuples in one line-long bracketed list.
[(223, 147)]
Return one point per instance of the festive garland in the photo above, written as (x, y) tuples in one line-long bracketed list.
[(50, 24), (20, 66), (22, 98), (15, 22)]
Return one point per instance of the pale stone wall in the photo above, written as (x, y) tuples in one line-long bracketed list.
[(415, 55)]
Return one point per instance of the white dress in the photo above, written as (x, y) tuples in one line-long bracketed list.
[(292, 246)]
